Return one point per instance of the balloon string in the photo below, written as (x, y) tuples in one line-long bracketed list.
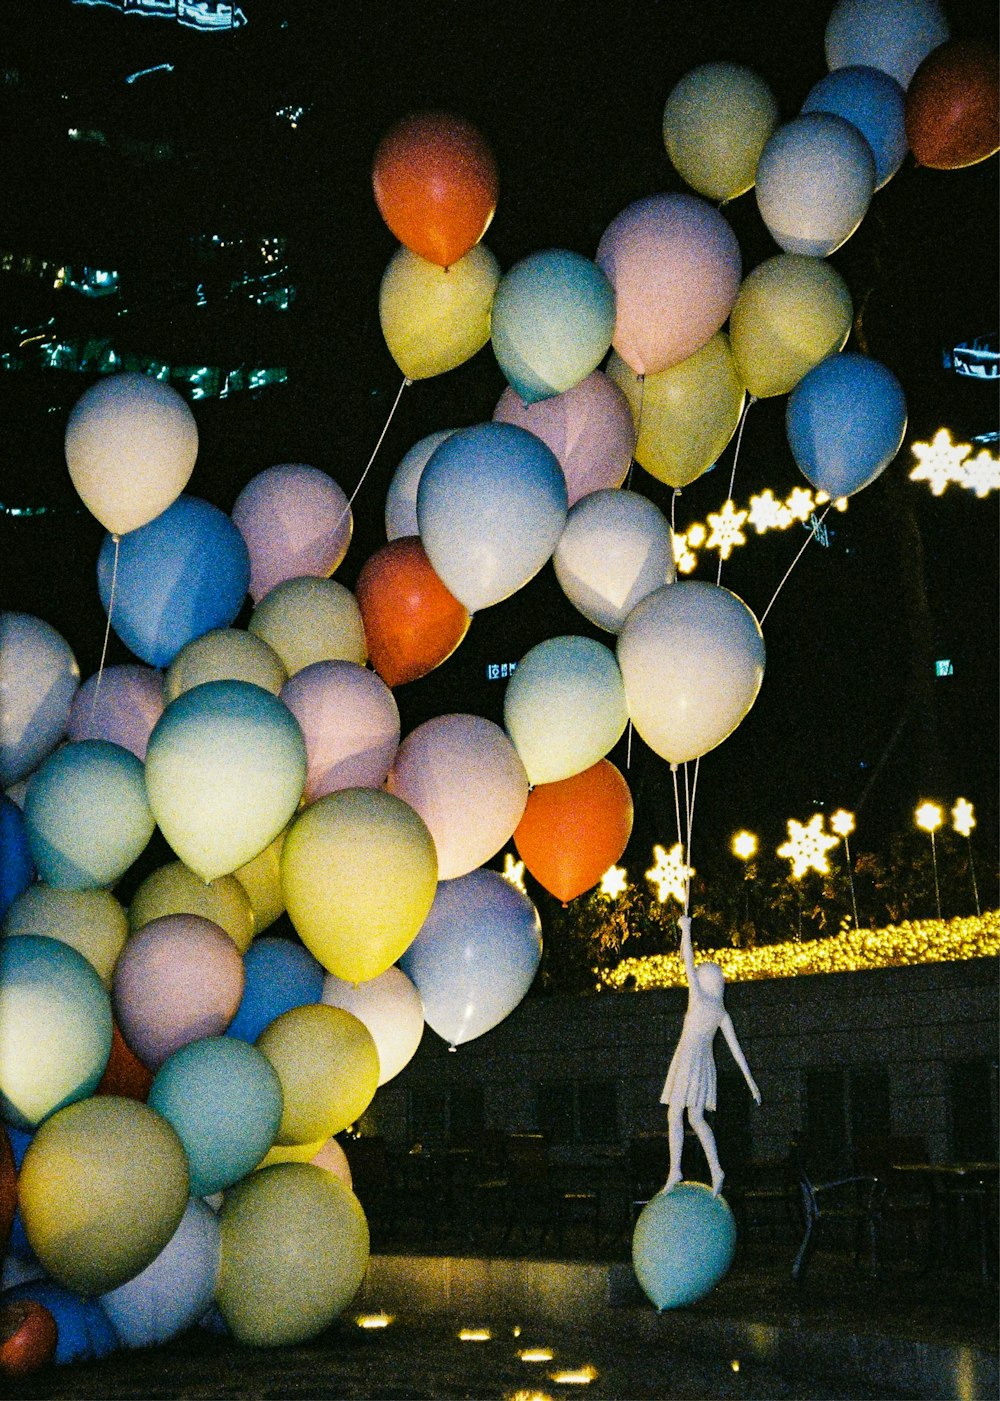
[(628, 748), (107, 631), (794, 562), (638, 428), (689, 799), (381, 439), (732, 475)]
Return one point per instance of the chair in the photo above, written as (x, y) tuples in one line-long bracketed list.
[(536, 1199), (853, 1199), (909, 1205), (764, 1192)]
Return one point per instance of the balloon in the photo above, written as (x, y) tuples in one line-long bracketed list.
[(574, 830), (38, 680), (873, 102), (683, 1244), (120, 704), (175, 890), (435, 319), (685, 415), (83, 1330), (792, 312), (952, 117), (589, 428), (327, 1063), (464, 777), (491, 506), (692, 659), (261, 879), (295, 520), (179, 978), (617, 547), (17, 870), (103, 1187), (435, 184), (279, 975), (358, 872), (675, 266), (28, 1336), (412, 623), (294, 1253), (401, 498), (845, 422), (181, 575), (564, 707), (223, 1099), (391, 1009), (86, 814), (224, 772), (311, 620), (90, 921), (224, 654), (893, 35), (327, 1154), (805, 213), (124, 1073), (476, 955), (715, 125), (350, 723), (55, 1028), (131, 444), (170, 1295), (552, 322)]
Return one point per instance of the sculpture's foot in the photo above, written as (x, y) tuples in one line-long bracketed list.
[(717, 1180), (672, 1181)]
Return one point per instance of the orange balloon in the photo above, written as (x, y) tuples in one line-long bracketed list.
[(125, 1073), (952, 108), (412, 623), (435, 184), (573, 830), (8, 1189), (28, 1337)]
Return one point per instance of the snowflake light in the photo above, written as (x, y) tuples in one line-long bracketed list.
[(513, 871), (807, 846), (981, 474), (963, 819), (744, 846), (768, 513), (726, 529), (928, 817), (939, 462), (670, 875), (801, 504), (614, 881), (842, 822)]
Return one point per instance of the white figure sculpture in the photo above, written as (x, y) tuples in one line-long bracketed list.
[(691, 1079)]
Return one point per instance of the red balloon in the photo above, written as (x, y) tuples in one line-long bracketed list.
[(28, 1337), (125, 1073), (573, 830), (435, 183), (8, 1189), (952, 108), (412, 623)]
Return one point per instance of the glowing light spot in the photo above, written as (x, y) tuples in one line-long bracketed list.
[(669, 875), (981, 474), (374, 1320), (744, 845), (842, 822), (536, 1354), (928, 817), (513, 872), (963, 818), (726, 529), (807, 846), (766, 512), (800, 504), (575, 1376), (614, 881), (696, 535), (939, 462), (735, 1364), (474, 1335)]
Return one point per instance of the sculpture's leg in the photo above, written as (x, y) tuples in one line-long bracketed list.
[(675, 1135), (707, 1140)]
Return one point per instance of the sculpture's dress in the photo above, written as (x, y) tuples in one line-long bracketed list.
[(691, 1079)]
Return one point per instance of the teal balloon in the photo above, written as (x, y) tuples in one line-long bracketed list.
[(845, 422), (683, 1244), (873, 102), (223, 1098), (55, 1028), (552, 322), (87, 815)]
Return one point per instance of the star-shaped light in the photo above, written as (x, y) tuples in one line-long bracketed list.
[(766, 512), (744, 846), (981, 474), (807, 846), (939, 462), (800, 504), (614, 881), (670, 875), (513, 872), (928, 817), (842, 822), (963, 819), (696, 535), (726, 529)]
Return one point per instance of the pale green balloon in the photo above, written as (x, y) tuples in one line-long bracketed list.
[(224, 654), (91, 921), (175, 890)]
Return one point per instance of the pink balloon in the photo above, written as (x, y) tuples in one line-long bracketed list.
[(675, 266), (295, 520), (129, 703), (333, 1158), (350, 722), (589, 428), (178, 979)]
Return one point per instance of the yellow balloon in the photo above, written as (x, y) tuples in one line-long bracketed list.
[(685, 415), (261, 879), (791, 312), (325, 1153), (176, 890), (91, 921), (328, 1068), (434, 318), (224, 654), (309, 620), (358, 873), (716, 122)]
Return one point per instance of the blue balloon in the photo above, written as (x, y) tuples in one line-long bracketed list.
[(476, 955), (683, 1244), (873, 102), (17, 1245), (17, 870), (279, 975), (845, 422), (551, 324), (85, 1332), (178, 577)]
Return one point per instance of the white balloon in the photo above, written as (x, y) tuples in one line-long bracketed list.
[(617, 547), (815, 181), (892, 35), (390, 1007), (39, 678), (692, 658), (464, 777), (401, 498), (172, 1293), (350, 722)]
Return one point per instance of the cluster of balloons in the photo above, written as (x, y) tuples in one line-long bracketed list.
[(171, 1076)]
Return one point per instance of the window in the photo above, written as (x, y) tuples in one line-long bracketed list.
[(578, 1111), (844, 1106), (446, 1114), (972, 1101)]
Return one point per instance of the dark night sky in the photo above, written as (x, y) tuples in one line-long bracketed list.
[(570, 97)]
